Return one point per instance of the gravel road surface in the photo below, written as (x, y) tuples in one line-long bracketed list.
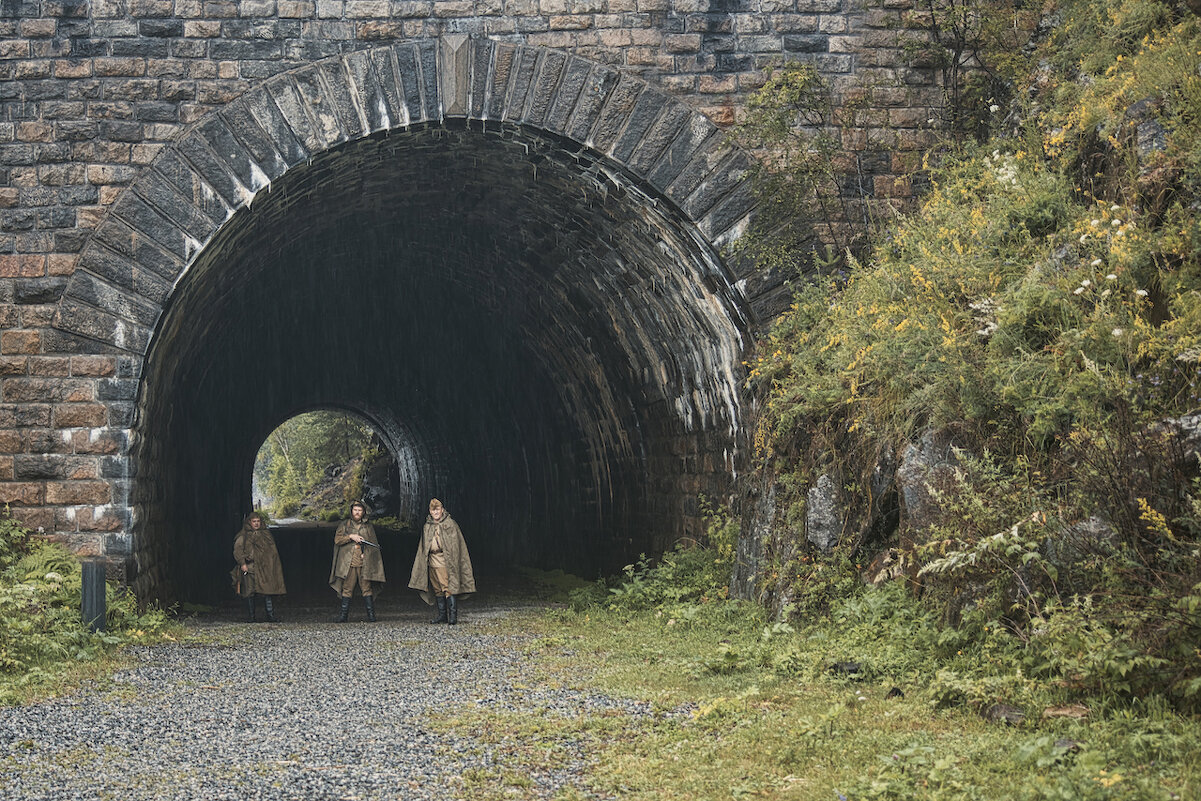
[(304, 709)]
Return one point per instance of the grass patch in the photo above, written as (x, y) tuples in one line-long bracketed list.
[(743, 709)]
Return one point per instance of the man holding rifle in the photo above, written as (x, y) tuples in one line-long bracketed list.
[(356, 561)]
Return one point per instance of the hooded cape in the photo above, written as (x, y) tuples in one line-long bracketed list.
[(460, 577), (373, 563), (257, 550)]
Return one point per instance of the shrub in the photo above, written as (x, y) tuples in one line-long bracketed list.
[(1041, 309), (41, 627)]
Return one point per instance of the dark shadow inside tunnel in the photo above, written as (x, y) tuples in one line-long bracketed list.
[(547, 347)]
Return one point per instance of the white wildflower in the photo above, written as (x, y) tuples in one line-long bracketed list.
[(1096, 263), (1105, 293), (1086, 282), (1111, 276), (1095, 223), (1189, 355), (1077, 290), (1115, 222), (1142, 293), (1115, 207), (1117, 332), (994, 108)]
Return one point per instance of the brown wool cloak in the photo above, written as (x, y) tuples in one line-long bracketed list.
[(257, 550), (373, 563), (460, 577)]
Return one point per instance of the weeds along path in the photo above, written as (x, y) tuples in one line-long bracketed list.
[(306, 709)]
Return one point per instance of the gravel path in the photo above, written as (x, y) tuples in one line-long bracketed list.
[(306, 709)]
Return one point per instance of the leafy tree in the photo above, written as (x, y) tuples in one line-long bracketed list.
[(296, 455)]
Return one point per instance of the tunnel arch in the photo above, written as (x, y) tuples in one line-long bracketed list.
[(562, 218)]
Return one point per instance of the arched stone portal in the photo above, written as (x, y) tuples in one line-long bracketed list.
[(503, 255)]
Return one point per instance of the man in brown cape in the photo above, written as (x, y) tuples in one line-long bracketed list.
[(258, 570), (442, 567), (357, 561)]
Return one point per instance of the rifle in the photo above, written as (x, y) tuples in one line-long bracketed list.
[(369, 542)]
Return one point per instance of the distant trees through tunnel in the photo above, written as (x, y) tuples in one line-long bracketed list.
[(315, 464)]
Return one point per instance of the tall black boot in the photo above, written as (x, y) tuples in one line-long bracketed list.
[(370, 601), (452, 610), (345, 610), (250, 609), (441, 616), (267, 602)]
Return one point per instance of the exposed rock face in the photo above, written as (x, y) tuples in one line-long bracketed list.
[(923, 464), (824, 514), (758, 521)]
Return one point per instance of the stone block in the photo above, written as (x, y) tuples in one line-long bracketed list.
[(161, 28), (296, 9), (11, 441), (21, 493), (80, 415), (119, 67), (50, 366), (17, 342), (14, 49), (97, 520), (6, 468), (47, 390), (99, 441), (37, 28), (78, 492), (93, 365), (34, 519), (62, 467), (682, 43), (14, 365), (14, 265)]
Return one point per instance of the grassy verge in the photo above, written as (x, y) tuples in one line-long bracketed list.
[(743, 709)]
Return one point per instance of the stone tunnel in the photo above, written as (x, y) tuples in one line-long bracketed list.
[(528, 304), (540, 344), (492, 230)]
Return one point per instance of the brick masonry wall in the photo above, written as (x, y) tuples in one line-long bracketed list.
[(93, 93)]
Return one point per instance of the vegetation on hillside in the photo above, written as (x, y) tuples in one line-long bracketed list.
[(876, 699), (309, 450), (43, 640), (1040, 312)]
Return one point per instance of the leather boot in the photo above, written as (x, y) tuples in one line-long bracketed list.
[(268, 603), (370, 601), (441, 616), (345, 611), (452, 610), (250, 609)]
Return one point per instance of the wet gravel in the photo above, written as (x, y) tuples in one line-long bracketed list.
[(305, 709)]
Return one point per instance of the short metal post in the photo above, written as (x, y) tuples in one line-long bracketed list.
[(94, 608)]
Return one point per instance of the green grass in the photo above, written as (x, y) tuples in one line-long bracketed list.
[(727, 724)]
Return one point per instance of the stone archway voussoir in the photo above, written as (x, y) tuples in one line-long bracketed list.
[(194, 187)]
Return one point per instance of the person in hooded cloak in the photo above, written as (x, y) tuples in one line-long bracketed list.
[(442, 571), (357, 562), (258, 570)]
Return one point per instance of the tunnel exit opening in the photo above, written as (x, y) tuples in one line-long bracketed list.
[(544, 344), (313, 465)]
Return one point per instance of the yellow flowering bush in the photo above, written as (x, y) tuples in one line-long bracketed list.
[(1043, 306)]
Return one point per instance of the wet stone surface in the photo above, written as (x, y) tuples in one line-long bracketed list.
[(305, 709)]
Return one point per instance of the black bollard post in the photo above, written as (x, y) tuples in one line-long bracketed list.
[(94, 607)]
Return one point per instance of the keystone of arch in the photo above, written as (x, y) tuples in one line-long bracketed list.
[(154, 231)]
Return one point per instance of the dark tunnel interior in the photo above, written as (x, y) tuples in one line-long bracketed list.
[(542, 344)]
